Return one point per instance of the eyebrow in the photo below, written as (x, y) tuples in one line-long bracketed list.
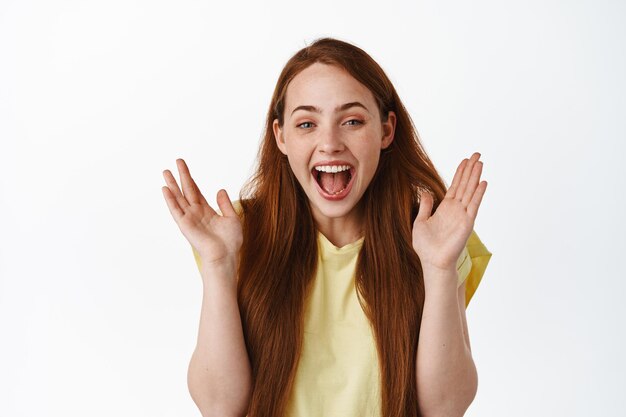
[(338, 108)]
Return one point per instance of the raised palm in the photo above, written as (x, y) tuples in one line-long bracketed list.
[(217, 238), (439, 239)]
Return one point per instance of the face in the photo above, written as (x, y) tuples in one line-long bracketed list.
[(332, 136)]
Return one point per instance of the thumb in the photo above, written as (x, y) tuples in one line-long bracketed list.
[(426, 206), (224, 203)]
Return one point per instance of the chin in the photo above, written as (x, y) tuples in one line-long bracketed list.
[(332, 209)]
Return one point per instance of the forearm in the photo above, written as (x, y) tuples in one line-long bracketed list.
[(219, 375), (445, 371)]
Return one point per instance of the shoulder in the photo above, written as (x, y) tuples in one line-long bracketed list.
[(238, 207), (472, 264)]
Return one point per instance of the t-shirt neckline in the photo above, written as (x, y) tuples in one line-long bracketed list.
[(330, 247)]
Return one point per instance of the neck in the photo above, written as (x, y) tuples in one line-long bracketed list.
[(341, 231)]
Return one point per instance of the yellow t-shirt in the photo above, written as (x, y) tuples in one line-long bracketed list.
[(338, 371)]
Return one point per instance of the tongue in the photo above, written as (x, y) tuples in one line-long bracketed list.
[(332, 183)]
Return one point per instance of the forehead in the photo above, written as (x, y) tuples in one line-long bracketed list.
[(326, 86)]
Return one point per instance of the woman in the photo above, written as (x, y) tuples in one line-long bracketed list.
[(337, 284)]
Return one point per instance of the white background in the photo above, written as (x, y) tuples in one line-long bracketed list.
[(99, 293)]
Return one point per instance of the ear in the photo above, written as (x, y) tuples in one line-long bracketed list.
[(389, 128), (278, 135)]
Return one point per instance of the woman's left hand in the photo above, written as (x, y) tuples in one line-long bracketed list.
[(439, 239)]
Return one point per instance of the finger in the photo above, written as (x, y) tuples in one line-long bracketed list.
[(456, 180), (172, 204), (426, 206), (460, 192), (190, 189), (201, 198), (173, 187), (472, 208), (473, 183), (226, 206)]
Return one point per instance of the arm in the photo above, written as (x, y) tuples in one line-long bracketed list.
[(219, 375), (446, 375)]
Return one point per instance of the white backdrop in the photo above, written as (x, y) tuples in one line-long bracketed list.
[(99, 293)]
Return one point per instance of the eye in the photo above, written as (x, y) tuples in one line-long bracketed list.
[(358, 122), (304, 123)]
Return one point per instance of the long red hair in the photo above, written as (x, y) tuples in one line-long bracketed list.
[(278, 257)]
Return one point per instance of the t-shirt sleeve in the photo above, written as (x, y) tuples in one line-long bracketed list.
[(472, 264), (196, 256), (238, 209)]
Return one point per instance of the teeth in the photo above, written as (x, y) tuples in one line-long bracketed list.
[(332, 168)]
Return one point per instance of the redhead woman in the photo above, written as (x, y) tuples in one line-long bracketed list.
[(336, 285)]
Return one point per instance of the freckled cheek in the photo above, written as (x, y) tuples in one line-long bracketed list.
[(299, 163), (368, 162)]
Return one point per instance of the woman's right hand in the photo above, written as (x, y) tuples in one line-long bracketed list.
[(217, 239)]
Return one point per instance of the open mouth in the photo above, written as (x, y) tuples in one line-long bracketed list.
[(333, 182)]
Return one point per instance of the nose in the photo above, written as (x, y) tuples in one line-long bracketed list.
[(331, 142)]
